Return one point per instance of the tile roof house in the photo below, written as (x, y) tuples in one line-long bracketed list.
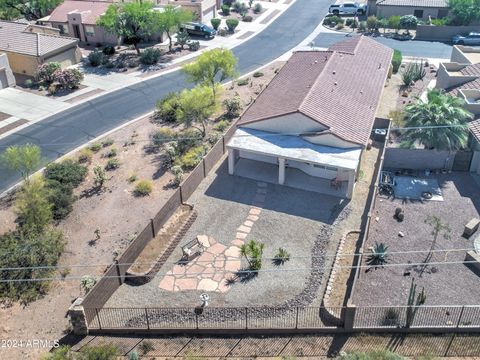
[(461, 77), (28, 46), (316, 116), (78, 18), (422, 9)]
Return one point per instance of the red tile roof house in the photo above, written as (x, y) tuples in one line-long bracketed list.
[(78, 19), (309, 126), (461, 77)]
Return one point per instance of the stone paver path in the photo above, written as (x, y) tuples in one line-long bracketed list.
[(212, 270)]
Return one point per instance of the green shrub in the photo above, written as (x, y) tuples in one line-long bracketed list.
[(67, 172), (85, 156), (143, 188), (163, 136), (243, 82), (68, 78), (100, 352), (61, 197), (396, 60), (257, 8), (327, 21), (334, 20), (182, 38), (232, 24), (362, 26), (394, 22), (95, 147), (348, 22), (108, 50), (95, 58), (45, 72), (413, 72), (132, 178), (178, 174), (133, 356), (373, 355), (188, 139), (215, 23), (150, 56), (221, 126), (247, 18), (281, 257), (110, 153), (146, 346), (233, 107), (194, 45), (28, 83), (372, 23), (112, 164), (60, 353), (340, 26), (257, 74), (354, 24), (191, 158), (107, 142), (440, 22), (213, 137), (408, 22), (166, 108), (226, 9), (222, 32)]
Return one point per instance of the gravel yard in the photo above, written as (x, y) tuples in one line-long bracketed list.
[(296, 220), (445, 284)]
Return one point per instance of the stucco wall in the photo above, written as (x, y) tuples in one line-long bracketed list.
[(387, 11), (418, 159), (460, 53), (202, 9), (23, 64), (287, 124), (475, 164), (442, 33), (66, 58), (448, 75), (6, 72)]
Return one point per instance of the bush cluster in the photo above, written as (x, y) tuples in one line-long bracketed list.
[(233, 106), (232, 24), (150, 56), (96, 58), (45, 72), (108, 50), (396, 60), (226, 9), (143, 188), (257, 8), (193, 45), (215, 23), (247, 18), (166, 108), (67, 79), (191, 158)]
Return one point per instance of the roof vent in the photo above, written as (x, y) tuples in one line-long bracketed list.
[(335, 83), (361, 91), (315, 62), (334, 72)]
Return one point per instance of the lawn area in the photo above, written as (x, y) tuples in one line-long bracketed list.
[(445, 284)]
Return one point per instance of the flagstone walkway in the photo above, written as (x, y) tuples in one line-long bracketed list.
[(217, 265)]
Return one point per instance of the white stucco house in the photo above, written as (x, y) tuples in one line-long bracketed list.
[(310, 125)]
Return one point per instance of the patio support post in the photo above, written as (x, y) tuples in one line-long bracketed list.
[(231, 161), (351, 183), (281, 171)]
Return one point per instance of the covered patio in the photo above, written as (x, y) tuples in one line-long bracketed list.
[(292, 161)]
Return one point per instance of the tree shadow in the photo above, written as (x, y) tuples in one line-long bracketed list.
[(93, 191), (245, 275)]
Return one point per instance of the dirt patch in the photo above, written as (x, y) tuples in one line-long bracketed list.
[(158, 245)]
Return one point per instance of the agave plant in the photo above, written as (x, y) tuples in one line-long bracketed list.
[(379, 257)]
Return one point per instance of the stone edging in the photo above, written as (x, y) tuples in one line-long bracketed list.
[(333, 271), (133, 278)]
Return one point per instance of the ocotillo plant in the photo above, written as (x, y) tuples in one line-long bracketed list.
[(413, 304)]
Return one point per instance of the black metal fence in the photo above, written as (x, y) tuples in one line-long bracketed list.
[(242, 318)]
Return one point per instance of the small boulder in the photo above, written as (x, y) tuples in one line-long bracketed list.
[(401, 234)]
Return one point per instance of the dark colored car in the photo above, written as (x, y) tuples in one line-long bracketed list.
[(199, 29)]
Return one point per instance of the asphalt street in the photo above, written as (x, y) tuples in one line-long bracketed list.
[(65, 131)]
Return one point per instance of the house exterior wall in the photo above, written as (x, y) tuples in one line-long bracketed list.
[(100, 35), (23, 64), (459, 51), (203, 10), (6, 74), (287, 124), (66, 58), (330, 140), (388, 11), (448, 76)]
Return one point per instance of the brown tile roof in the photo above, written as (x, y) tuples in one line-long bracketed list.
[(91, 11), (471, 70), (474, 127), (15, 38), (474, 84), (416, 3), (339, 88)]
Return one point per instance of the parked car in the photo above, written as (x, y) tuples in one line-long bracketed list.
[(348, 8), (471, 39), (199, 29)]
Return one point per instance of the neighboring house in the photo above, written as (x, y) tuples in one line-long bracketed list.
[(6, 75), (461, 77), (28, 46), (422, 9), (203, 10), (315, 117), (78, 19)]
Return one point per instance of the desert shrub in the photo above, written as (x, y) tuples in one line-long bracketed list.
[(372, 23), (348, 22), (52, 89), (188, 139), (60, 353), (247, 18), (239, 7), (68, 78), (194, 45), (327, 21), (243, 82), (222, 32), (110, 64), (233, 107), (253, 252), (61, 198), (354, 24), (182, 38), (143, 188), (373, 355), (95, 147), (257, 74), (340, 26), (396, 60), (166, 108), (112, 164), (408, 22), (226, 9), (362, 26), (257, 8), (67, 172), (221, 126), (213, 137), (95, 58), (132, 178), (85, 156), (171, 153), (146, 346), (232, 24), (440, 22), (334, 20), (178, 174), (107, 142), (281, 257), (215, 23), (191, 158), (110, 153), (108, 50), (45, 72), (413, 72), (163, 136), (132, 63), (100, 352), (25, 251), (28, 83), (133, 356), (150, 56)]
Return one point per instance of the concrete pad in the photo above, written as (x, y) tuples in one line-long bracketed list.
[(167, 283), (207, 285)]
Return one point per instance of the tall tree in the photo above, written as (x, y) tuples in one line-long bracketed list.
[(195, 107), (465, 11), (439, 123), (211, 68), (29, 9), (22, 158), (132, 21), (170, 20)]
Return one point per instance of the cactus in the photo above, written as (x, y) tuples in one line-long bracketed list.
[(413, 303)]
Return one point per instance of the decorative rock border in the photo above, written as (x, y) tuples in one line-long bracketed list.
[(137, 279)]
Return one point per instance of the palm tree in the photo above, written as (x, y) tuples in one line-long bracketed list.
[(439, 109), (253, 251)]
